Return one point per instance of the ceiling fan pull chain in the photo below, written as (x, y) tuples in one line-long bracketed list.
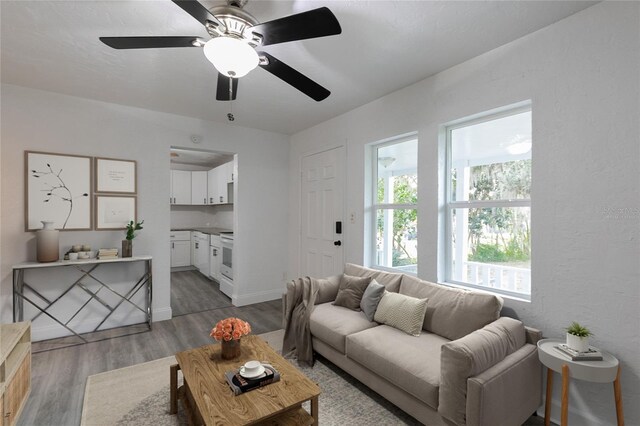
[(230, 115)]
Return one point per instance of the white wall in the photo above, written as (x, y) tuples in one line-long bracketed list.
[(44, 121), (582, 76)]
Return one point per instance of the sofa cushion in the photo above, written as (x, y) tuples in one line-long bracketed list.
[(452, 312), (403, 312), (371, 298), (388, 279), (411, 363), (331, 323), (471, 355), (351, 291)]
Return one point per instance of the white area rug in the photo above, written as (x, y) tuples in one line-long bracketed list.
[(140, 395)]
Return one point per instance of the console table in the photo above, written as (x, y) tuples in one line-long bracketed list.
[(86, 268)]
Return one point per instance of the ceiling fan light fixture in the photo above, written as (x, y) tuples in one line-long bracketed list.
[(231, 56)]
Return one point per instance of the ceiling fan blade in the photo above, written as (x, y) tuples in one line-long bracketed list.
[(198, 11), (222, 93), (294, 78), (148, 42), (311, 24)]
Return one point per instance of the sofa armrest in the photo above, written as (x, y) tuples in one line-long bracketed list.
[(471, 355), (507, 393), (533, 335)]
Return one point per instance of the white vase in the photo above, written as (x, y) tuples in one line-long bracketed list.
[(577, 343), (47, 242)]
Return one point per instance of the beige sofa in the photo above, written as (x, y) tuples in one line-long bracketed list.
[(469, 366)]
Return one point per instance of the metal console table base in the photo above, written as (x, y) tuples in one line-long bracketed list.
[(19, 296)]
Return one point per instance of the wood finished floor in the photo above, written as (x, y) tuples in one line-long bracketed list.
[(192, 292), (59, 376)]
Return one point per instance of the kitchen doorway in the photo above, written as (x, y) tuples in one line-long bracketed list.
[(201, 201)]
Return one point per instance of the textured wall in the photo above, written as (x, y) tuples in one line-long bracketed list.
[(582, 76), (44, 121)]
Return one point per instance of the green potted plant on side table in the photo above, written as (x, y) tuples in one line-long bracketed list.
[(578, 337), (127, 245)]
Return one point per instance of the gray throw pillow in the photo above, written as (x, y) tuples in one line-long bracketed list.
[(351, 291), (371, 297)]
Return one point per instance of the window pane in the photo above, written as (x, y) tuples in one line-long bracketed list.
[(397, 180), (397, 239), (491, 247), (492, 160)]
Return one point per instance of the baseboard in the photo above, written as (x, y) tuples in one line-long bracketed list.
[(261, 296), (85, 325), (161, 314), (582, 418)]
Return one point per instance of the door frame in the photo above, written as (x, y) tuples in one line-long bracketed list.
[(343, 169)]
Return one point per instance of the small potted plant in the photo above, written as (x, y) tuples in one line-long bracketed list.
[(578, 337), (127, 245)]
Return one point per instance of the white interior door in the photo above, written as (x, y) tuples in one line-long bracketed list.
[(322, 183)]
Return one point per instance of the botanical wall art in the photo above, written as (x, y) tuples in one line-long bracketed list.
[(58, 188), (114, 175), (114, 211)]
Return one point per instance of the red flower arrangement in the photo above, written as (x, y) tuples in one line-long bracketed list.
[(230, 329)]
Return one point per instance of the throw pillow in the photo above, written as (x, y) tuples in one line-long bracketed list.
[(351, 291), (403, 312), (371, 297)]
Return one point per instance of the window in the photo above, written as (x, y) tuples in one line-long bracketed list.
[(395, 198), (489, 203)]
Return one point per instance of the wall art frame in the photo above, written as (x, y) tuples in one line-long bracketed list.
[(114, 212), (114, 175), (58, 188)]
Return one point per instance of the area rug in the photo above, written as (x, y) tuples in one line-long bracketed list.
[(140, 395)]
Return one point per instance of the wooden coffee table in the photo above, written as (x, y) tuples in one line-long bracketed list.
[(208, 399)]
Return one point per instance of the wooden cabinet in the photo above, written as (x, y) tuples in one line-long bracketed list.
[(15, 370), (180, 187), (199, 195)]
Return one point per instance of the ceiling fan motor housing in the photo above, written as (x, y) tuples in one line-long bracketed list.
[(237, 23)]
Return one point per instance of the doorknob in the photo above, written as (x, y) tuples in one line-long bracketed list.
[(337, 243)]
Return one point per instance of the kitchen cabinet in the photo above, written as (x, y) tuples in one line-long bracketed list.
[(15, 370), (212, 186), (215, 252), (200, 252), (180, 248), (218, 180), (180, 187), (199, 186)]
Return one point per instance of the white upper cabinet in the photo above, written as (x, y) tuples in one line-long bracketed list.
[(180, 187), (199, 186), (218, 183), (212, 187)]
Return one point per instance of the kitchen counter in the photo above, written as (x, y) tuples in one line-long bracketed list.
[(210, 231)]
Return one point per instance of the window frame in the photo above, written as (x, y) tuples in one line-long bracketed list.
[(450, 205), (375, 206)]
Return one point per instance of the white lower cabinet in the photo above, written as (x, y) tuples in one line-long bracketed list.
[(215, 257), (180, 254), (180, 249)]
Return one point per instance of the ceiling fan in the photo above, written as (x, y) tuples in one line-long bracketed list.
[(235, 37)]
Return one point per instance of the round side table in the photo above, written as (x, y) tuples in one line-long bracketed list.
[(605, 371)]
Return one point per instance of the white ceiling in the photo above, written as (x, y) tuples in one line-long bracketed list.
[(199, 158), (384, 46)]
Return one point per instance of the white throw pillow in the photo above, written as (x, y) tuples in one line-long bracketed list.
[(403, 312)]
